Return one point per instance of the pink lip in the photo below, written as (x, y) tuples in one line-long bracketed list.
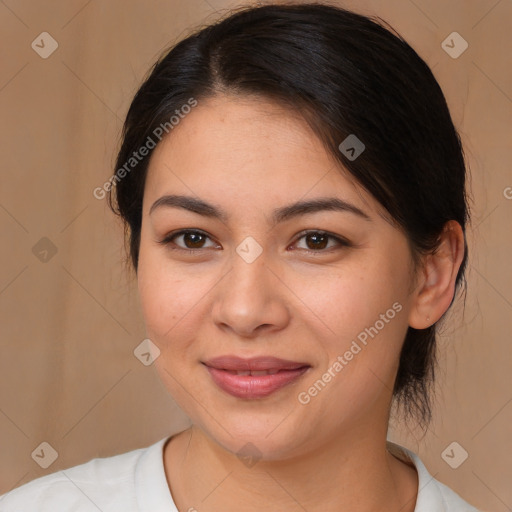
[(253, 363), (222, 371)]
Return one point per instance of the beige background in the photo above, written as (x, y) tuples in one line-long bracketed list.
[(68, 375)]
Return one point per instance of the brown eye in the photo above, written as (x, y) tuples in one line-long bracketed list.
[(191, 240), (317, 241)]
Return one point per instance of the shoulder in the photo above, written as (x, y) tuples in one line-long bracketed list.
[(105, 483), (432, 494)]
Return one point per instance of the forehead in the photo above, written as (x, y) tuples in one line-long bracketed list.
[(232, 146)]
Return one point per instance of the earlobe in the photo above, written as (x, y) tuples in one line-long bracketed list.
[(436, 288)]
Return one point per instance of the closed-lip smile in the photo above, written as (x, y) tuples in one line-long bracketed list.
[(255, 377)]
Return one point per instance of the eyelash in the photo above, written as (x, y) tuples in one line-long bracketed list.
[(168, 240)]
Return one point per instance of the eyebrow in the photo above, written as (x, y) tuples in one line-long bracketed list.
[(281, 214)]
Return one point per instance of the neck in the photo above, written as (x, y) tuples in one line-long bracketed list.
[(350, 472)]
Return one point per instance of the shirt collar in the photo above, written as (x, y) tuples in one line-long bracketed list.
[(429, 495), (151, 487), (153, 493)]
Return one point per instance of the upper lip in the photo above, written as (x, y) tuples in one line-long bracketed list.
[(253, 363)]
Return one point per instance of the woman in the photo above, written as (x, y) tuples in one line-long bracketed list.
[(294, 192)]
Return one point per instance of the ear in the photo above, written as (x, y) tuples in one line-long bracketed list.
[(436, 286)]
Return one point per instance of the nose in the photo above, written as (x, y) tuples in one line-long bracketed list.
[(251, 300)]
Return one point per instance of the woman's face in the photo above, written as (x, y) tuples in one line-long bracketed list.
[(253, 284)]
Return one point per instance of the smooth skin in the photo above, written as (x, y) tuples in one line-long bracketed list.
[(248, 156)]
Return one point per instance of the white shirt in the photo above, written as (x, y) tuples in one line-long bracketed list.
[(135, 481)]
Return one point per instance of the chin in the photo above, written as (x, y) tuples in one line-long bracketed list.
[(255, 438)]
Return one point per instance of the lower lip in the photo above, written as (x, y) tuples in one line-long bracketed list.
[(254, 386)]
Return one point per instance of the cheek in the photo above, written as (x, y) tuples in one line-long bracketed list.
[(158, 292), (359, 313), (170, 295), (347, 299), (366, 324)]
